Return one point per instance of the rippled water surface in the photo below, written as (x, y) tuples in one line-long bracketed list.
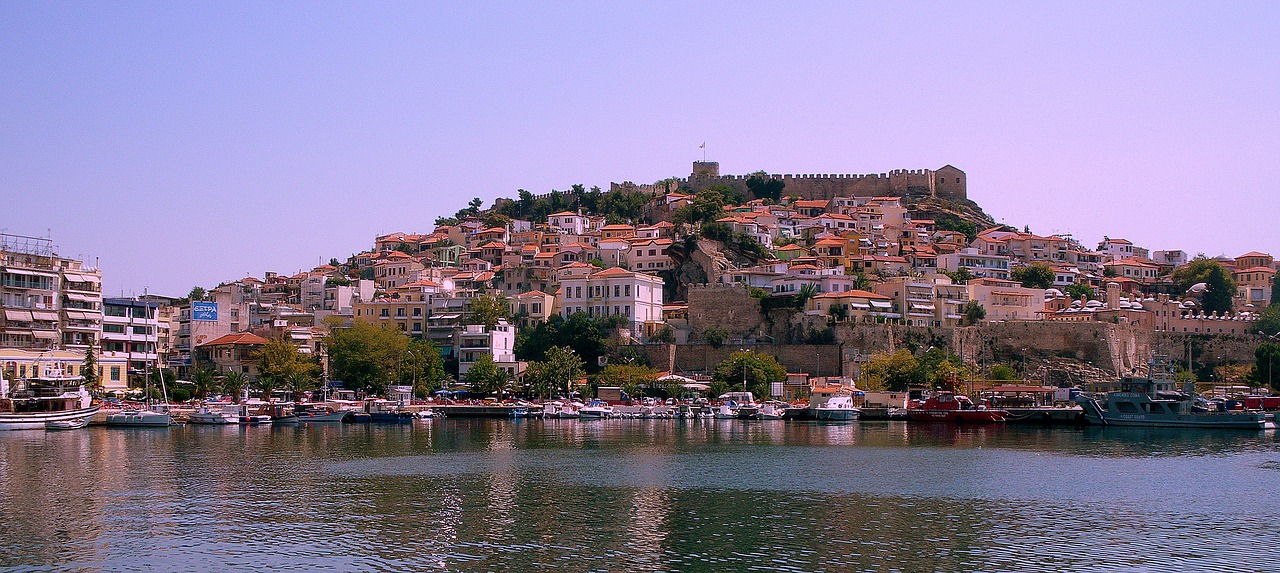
[(638, 495)]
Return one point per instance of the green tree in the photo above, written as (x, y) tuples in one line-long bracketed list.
[(278, 363), (1275, 290), (422, 367), (197, 293), (1076, 291), (974, 312), (715, 336), (1039, 275), (1003, 372), (1110, 272), (489, 309), (584, 335), (1221, 288), (233, 384), (556, 373), (896, 372), (665, 335), (959, 277), (632, 379), (366, 355), (807, 291), (497, 220), (1269, 321), (204, 381), (759, 371), (485, 377), (762, 186), (1267, 356), (89, 371)]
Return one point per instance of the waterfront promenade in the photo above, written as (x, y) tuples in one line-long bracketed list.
[(637, 495)]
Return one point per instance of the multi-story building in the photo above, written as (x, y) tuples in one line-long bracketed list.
[(476, 340), (49, 302), (979, 264), (130, 330), (636, 297), (1007, 300)]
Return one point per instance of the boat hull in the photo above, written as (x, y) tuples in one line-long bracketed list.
[(141, 419), (37, 420), (957, 416), (837, 414), (1094, 414)]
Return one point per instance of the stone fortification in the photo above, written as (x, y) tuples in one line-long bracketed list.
[(946, 182)]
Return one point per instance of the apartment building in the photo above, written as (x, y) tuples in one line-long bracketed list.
[(49, 302), (636, 297)]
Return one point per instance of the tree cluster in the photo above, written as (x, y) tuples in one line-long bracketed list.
[(369, 357), (756, 371), (1221, 287)]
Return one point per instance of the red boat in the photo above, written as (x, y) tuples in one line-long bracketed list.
[(954, 408)]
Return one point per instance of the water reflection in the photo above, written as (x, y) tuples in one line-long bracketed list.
[(636, 495)]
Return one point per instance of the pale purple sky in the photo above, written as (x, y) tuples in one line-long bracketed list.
[(185, 144)]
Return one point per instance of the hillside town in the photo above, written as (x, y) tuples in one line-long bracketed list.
[(666, 277)]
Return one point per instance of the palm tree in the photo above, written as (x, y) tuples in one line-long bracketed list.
[(299, 382), (233, 383), (204, 382)]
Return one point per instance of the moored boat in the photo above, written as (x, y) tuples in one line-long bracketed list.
[(595, 410), (58, 425), (1152, 402), (837, 409), (32, 403), (954, 408), (139, 418), (211, 414)]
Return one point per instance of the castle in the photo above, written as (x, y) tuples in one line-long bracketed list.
[(946, 182)]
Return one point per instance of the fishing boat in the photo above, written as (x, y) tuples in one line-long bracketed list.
[(772, 411), (31, 403), (320, 414), (954, 408), (837, 409), (1154, 402), (560, 410)]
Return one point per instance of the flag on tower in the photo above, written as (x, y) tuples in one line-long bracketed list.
[(703, 146)]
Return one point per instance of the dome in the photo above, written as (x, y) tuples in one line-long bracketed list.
[(1198, 287), (1093, 304), (1052, 292)]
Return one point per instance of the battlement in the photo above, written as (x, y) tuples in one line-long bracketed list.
[(946, 182)]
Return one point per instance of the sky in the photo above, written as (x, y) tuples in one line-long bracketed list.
[(177, 144)]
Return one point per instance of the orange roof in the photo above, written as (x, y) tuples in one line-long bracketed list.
[(1257, 270), (1253, 254), (613, 272), (245, 338)]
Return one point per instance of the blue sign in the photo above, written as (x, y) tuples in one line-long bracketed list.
[(204, 311)]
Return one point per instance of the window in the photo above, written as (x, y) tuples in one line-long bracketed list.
[(400, 312), (142, 330), (617, 291), (627, 290), (115, 373), (385, 313), (417, 311), (113, 328)]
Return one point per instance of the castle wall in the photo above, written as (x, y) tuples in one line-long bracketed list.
[(947, 182)]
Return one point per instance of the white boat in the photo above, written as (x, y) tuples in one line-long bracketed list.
[(595, 410), (838, 409), (726, 411), (321, 415), (32, 403), (772, 411), (139, 418), (424, 414), (210, 415), (559, 410), (58, 425), (156, 416)]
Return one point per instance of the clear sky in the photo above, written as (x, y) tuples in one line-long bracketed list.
[(183, 143)]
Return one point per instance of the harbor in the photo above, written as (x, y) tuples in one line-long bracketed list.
[(473, 495)]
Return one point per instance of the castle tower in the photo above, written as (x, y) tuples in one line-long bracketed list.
[(706, 169)]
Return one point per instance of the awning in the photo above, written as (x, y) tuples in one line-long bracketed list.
[(22, 271), (921, 306), (79, 278), (79, 315), (18, 315), (48, 315), (447, 316), (82, 297), (45, 334), (861, 305), (881, 304)]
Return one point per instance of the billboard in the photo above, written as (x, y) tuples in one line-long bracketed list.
[(207, 311)]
